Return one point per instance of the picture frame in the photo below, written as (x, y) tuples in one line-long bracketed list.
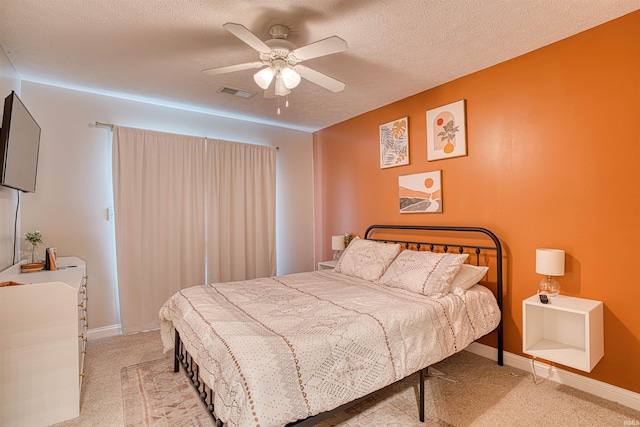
[(446, 131), (420, 192), (394, 143)]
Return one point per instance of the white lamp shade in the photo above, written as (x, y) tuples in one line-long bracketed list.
[(550, 262), (281, 89), (290, 78), (264, 77), (337, 243)]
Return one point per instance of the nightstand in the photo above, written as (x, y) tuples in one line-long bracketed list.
[(327, 265), (567, 330)]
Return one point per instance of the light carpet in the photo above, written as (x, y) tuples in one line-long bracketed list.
[(466, 390)]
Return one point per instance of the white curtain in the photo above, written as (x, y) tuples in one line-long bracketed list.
[(158, 182), (241, 211), (180, 200)]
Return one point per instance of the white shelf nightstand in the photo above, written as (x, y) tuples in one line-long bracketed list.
[(567, 330), (327, 265)]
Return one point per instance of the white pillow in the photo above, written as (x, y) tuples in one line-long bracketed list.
[(426, 273), (366, 259), (468, 276)]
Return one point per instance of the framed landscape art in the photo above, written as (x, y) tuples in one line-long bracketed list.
[(420, 192), (446, 131)]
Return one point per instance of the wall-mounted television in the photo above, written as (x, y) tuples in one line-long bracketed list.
[(19, 146)]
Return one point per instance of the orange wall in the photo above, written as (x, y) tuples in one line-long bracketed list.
[(553, 161)]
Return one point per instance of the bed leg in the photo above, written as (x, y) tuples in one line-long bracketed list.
[(176, 352), (500, 344), (422, 395)]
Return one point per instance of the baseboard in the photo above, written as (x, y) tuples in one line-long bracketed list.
[(105, 331), (552, 373)]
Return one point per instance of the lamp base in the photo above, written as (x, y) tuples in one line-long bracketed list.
[(337, 255), (549, 286)]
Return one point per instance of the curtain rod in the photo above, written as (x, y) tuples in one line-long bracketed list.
[(106, 125), (111, 125)]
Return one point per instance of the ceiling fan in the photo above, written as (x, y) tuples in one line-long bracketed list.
[(281, 60)]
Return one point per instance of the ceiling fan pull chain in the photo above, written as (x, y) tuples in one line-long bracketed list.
[(278, 105), (286, 104)]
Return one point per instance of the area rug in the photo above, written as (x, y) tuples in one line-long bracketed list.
[(155, 396)]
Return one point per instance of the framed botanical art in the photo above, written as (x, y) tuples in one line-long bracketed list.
[(394, 143), (446, 131), (420, 192)]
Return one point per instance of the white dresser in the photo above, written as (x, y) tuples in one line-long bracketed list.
[(42, 344)]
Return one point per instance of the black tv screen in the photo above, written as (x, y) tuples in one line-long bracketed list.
[(19, 145)]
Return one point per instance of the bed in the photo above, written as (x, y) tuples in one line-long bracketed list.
[(296, 349)]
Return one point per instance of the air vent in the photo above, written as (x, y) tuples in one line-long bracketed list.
[(236, 92)]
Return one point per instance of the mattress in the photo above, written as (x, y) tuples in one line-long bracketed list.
[(279, 349)]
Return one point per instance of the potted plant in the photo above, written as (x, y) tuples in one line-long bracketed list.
[(34, 240), (348, 238)]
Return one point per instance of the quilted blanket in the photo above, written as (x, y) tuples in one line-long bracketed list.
[(280, 349)]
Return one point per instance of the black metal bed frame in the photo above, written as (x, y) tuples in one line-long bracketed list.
[(182, 357)]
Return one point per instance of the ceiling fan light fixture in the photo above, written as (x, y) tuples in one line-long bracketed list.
[(290, 77), (280, 88), (280, 59), (264, 77)]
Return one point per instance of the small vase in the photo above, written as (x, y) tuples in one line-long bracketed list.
[(449, 147), (34, 265)]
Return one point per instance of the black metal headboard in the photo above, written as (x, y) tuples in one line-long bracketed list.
[(446, 246)]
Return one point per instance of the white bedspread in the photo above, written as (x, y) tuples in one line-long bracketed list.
[(284, 348)]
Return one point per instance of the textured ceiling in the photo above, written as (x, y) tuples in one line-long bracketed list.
[(154, 50)]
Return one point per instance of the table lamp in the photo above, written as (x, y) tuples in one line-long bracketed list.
[(337, 244), (549, 262)]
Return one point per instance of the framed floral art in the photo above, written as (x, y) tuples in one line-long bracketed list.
[(446, 131), (394, 143)]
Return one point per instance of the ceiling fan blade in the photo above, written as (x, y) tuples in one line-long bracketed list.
[(241, 32), (323, 47), (232, 68), (320, 79)]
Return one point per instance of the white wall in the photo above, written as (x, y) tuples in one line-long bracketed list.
[(8, 197), (73, 190)]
